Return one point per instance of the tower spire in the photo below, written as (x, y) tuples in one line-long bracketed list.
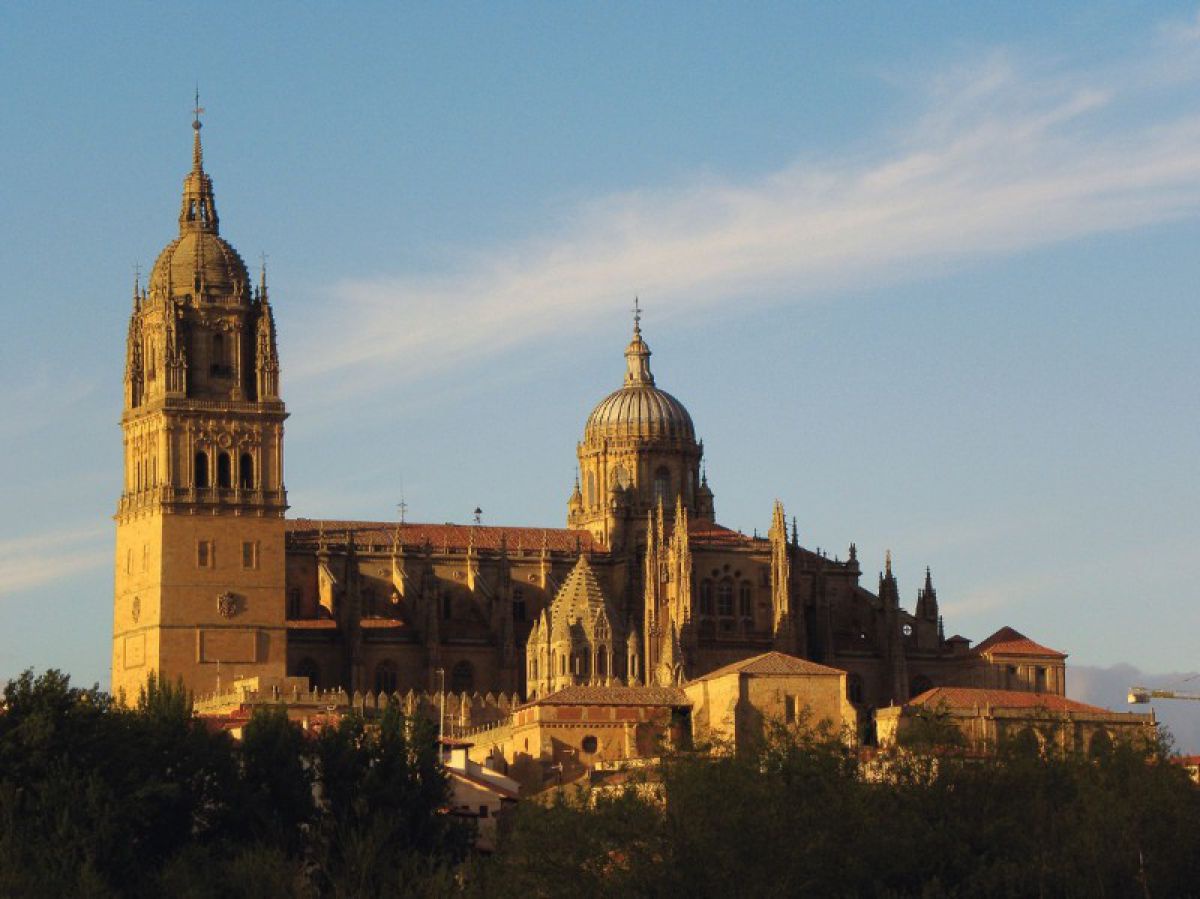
[(199, 210), (197, 150), (637, 354)]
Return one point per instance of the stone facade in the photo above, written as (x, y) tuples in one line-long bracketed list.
[(214, 583), (200, 551), (735, 705)]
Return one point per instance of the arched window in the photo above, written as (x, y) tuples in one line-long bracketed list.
[(385, 677), (562, 664), (745, 606), (1100, 745), (1026, 742), (224, 474), (246, 472), (201, 469), (591, 489), (309, 669), (462, 677), (620, 477), (725, 599), (706, 598), (662, 485), (602, 661)]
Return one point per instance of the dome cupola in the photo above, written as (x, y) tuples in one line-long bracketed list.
[(639, 410), (200, 263), (639, 449)]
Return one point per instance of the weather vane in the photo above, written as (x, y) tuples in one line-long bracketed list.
[(197, 110), (637, 314)]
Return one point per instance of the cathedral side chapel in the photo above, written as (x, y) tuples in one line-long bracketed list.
[(643, 587)]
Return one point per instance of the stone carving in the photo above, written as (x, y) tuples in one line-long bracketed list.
[(228, 604), (135, 610)]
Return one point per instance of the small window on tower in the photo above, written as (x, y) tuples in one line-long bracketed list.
[(224, 474), (246, 472), (205, 554), (250, 554), (201, 470)]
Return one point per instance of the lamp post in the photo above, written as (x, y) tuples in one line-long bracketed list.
[(441, 673)]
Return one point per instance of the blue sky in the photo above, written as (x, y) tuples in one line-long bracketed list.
[(926, 273)]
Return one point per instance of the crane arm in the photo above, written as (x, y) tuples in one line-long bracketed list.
[(1143, 694)]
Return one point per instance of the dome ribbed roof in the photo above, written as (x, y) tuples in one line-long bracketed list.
[(640, 412), (639, 409), (221, 269)]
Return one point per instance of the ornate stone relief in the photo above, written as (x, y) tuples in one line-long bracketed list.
[(228, 604)]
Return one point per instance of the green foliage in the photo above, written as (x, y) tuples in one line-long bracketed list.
[(801, 817), (100, 800)]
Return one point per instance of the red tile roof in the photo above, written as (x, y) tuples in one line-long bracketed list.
[(970, 697), (598, 695), (711, 534), (1010, 642), (773, 663), (438, 536)]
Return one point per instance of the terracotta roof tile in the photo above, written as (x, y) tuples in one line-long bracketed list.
[(773, 663), (1010, 642), (438, 536), (970, 697), (599, 695)]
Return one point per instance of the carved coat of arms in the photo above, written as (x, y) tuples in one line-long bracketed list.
[(227, 604)]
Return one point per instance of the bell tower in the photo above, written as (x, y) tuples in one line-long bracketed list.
[(199, 579)]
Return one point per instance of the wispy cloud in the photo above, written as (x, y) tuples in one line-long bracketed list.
[(40, 559), (1001, 156)]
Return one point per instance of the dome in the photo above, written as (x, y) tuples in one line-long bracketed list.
[(639, 409), (640, 412), (200, 260), (203, 255)]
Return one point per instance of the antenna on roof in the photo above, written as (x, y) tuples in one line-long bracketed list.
[(478, 515)]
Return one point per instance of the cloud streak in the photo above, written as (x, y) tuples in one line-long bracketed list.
[(41, 559), (996, 161)]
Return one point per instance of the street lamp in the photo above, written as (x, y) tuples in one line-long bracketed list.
[(441, 673)]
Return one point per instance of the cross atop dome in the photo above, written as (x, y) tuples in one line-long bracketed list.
[(637, 354)]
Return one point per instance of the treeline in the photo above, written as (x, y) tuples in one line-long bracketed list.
[(101, 801)]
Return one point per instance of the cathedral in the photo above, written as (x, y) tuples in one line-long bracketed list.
[(642, 587)]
